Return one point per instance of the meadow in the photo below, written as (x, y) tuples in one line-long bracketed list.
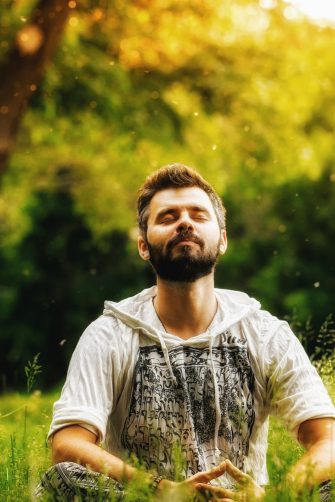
[(24, 422)]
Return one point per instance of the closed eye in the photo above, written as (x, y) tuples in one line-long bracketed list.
[(167, 219), (170, 215), (200, 217)]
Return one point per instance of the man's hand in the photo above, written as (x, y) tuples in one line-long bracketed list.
[(247, 489), (185, 489)]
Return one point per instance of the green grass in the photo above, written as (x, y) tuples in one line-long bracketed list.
[(24, 454)]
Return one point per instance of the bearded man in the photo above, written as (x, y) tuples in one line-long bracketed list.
[(184, 364)]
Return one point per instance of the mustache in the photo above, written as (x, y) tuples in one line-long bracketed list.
[(184, 236)]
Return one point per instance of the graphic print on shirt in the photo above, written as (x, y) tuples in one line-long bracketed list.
[(164, 414)]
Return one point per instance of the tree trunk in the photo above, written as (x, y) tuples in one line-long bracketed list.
[(23, 71)]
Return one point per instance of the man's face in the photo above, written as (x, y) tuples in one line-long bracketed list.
[(183, 238)]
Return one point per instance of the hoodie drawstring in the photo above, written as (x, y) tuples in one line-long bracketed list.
[(164, 350), (166, 356), (133, 322), (217, 452)]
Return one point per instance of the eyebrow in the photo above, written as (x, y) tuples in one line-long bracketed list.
[(173, 210)]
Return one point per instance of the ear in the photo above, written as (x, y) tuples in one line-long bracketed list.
[(223, 242), (143, 248)]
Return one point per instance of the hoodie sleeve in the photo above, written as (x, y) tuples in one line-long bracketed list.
[(294, 389), (88, 393)]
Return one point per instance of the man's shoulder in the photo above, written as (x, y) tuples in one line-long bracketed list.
[(240, 306), (117, 318), (271, 338), (259, 324), (101, 329), (131, 304)]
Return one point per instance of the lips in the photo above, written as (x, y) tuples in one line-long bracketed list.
[(185, 242)]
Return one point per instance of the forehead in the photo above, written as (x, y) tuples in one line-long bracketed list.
[(179, 198)]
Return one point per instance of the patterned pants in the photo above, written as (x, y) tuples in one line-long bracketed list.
[(70, 482), (326, 492)]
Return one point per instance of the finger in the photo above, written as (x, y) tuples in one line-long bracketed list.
[(206, 476), (239, 476), (218, 491)]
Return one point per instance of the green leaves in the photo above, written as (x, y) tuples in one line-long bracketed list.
[(239, 92)]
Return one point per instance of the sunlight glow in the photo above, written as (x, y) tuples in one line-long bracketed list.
[(322, 11)]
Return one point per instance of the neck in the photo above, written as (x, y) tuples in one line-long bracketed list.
[(186, 309)]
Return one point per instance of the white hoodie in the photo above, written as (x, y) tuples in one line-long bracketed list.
[(148, 392)]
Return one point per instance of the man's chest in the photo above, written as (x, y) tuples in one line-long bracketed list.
[(178, 401)]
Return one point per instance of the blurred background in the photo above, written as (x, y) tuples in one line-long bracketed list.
[(95, 95)]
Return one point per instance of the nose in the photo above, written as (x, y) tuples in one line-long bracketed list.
[(184, 223)]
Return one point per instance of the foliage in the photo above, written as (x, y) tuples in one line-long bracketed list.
[(280, 251), (237, 90), (133, 87), (319, 343), (60, 278)]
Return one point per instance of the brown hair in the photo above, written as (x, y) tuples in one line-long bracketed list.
[(174, 176)]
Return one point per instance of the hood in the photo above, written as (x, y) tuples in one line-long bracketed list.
[(234, 306)]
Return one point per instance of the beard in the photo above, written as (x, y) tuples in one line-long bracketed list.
[(188, 265)]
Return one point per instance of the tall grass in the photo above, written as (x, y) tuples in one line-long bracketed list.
[(24, 454)]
